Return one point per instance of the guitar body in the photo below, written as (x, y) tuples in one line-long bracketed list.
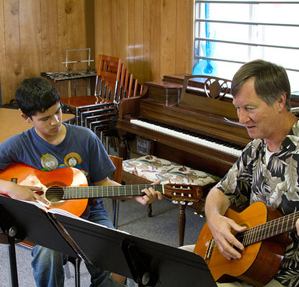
[(26, 175), (259, 262)]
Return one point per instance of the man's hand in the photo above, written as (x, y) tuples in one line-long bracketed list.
[(223, 229), (297, 226), (150, 196)]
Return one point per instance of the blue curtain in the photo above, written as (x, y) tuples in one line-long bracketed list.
[(205, 67)]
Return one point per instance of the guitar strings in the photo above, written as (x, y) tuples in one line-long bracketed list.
[(269, 229), (97, 191)]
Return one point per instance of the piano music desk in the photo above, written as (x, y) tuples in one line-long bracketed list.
[(149, 169)]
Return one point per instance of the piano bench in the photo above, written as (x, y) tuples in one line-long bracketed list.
[(149, 169)]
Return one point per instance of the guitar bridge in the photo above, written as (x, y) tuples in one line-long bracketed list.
[(211, 245), (14, 180)]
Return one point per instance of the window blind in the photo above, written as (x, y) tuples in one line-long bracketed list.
[(230, 33)]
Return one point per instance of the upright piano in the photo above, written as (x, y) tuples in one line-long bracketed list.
[(187, 123)]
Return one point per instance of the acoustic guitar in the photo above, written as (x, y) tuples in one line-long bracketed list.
[(67, 188), (265, 240)]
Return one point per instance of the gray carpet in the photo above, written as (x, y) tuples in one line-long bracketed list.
[(162, 228)]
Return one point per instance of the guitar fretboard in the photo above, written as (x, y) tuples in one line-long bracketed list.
[(270, 229), (105, 191)]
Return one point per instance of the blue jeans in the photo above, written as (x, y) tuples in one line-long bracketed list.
[(47, 264)]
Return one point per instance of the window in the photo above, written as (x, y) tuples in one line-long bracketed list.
[(228, 34)]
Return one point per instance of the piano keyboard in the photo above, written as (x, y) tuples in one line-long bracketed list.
[(184, 136)]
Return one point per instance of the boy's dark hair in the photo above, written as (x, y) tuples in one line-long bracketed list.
[(36, 95)]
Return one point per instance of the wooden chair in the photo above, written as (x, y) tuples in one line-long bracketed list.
[(117, 161), (108, 71), (113, 83), (128, 85)]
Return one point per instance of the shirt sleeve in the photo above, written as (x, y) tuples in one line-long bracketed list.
[(8, 151)]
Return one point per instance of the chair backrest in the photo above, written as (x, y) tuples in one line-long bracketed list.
[(107, 64), (108, 71), (114, 80), (117, 161)]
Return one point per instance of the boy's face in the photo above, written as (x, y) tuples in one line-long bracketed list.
[(48, 123)]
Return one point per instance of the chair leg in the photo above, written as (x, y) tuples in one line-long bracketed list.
[(182, 223), (150, 210), (77, 271), (76, 261), (115, 207)]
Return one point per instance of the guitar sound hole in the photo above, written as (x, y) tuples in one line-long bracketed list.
[(54, 194)]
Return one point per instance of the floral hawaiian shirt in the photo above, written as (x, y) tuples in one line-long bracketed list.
[(276, 183)]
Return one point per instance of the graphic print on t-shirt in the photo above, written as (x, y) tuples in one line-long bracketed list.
[(72, 159), (50, 162)]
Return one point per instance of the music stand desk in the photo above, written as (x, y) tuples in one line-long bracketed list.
[(20, 220), (148, 263), (136, 257)]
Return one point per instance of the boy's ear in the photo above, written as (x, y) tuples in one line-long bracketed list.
[(25, 117)]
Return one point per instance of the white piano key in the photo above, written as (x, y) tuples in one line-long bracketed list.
[(180, 135)]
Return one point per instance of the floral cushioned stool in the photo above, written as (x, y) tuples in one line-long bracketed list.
[(149, 168)]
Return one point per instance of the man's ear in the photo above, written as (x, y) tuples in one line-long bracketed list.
[(282, 101)]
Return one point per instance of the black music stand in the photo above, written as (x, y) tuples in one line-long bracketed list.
[(147, 262), (21, 220)]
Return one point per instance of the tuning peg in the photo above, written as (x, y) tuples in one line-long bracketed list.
[(175, 201), (190, 203), (182, 202)]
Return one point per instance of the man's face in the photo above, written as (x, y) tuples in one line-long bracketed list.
[(257, 116), (48, 123)]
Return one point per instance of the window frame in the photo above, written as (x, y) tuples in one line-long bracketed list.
[(202, 18)]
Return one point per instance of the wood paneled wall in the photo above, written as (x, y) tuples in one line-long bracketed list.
[(154, 37), (34, 35)]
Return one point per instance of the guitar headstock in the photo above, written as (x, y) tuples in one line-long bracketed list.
[(183, 193)]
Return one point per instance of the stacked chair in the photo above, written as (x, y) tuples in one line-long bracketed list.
[(113, 80), (100, 112)]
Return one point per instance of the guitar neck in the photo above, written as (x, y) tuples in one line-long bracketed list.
[(269, 229), (80, 192)]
